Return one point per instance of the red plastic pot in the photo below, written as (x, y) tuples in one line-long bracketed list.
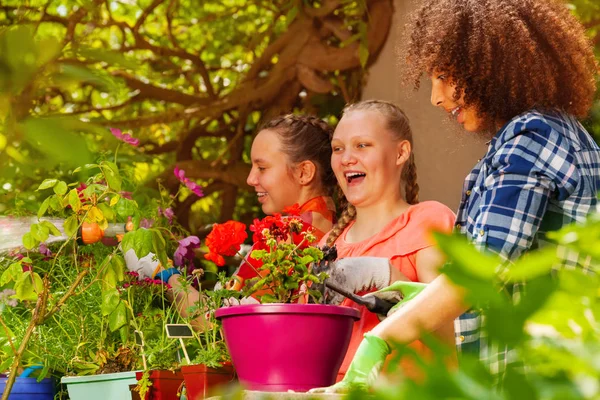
[(165, 384), (281, 347), (200, 380)]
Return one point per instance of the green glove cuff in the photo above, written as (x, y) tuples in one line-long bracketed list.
[(367, 361)]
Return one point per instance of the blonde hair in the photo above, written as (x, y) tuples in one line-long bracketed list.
[(397, 123)]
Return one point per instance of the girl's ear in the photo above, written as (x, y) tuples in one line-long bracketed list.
[(305, 172), (404, 150)]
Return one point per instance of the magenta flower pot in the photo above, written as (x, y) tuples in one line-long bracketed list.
[(281, 347)]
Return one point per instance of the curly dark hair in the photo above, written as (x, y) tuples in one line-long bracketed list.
[(505, 56)]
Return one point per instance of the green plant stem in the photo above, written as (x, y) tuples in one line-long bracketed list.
[(28, 332), (12, 345), (69, 293)]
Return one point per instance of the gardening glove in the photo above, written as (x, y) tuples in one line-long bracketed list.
[(364, 368), (398, 292), (356, 274), (149, 267)]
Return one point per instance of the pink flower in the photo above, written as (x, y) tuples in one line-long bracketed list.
[(45, 251), (124, 137), (185, 251), (146, 223), (168, 213), (126, 195), (193, 186)]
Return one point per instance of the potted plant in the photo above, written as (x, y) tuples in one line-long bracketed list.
[(272, 344), (210, 365), (42, 325)]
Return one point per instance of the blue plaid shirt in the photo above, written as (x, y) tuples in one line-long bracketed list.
[(541, 171)]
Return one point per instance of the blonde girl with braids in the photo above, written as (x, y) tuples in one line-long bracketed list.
[(383, 235), (290, 165)]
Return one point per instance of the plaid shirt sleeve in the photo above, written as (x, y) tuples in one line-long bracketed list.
[(522, 175), (528, 166)]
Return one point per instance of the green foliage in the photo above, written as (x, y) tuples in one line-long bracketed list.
[(553, 326), (191, 80)]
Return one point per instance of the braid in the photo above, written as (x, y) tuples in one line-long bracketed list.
[(411, 187), (307, 138), (347, 216)]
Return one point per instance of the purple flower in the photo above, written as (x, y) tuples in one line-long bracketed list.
[(193, 186), (168, 213), (126, 195), (185, 251), (124, 137), (44, 250), (146, 223)]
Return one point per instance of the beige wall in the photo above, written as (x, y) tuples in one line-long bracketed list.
[(444, 154)]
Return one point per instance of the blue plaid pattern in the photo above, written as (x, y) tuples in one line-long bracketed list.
[(541, 171)]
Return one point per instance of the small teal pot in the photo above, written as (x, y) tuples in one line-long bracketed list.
[(100, 387)]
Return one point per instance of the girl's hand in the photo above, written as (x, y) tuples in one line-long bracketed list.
[(357, 274), (364, 368)]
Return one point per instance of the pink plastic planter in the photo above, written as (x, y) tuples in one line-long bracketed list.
[(281, 347)]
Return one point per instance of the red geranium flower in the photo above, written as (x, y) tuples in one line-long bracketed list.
[(225, 240), (274, 223)]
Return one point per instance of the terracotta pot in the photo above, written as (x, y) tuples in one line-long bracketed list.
[(165, 384), (200, 380)]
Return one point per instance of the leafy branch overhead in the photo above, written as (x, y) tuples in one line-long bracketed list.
[(191, 80)]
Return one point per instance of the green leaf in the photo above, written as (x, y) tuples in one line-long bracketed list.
[(465, 256), (74, 200), (28, 241), (140, 240), (39, 232), (71, 225), (107, 211), (55, 203), (110, 301), (47, 183), (158, 245), (532, 265), (118, 317), (110, 57), (51, 228), (28, 286), (126, 208), (111, 173), (43, 207), (363, 54), (12, 273), (291, 15), (114, 200), (52, 136), (268, 298), (108, 275), (60, 188)]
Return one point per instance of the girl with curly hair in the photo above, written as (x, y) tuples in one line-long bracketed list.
[(521, 72)]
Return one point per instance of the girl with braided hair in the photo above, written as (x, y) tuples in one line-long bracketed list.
[(519, 72), (383, 235), (290, 165)]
